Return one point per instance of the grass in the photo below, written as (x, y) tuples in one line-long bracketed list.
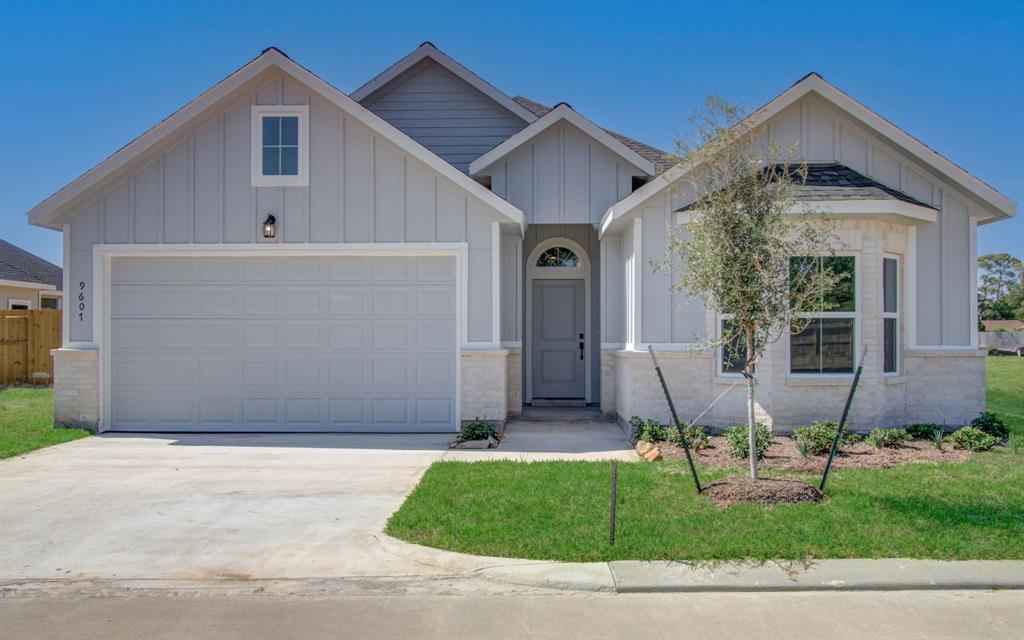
[(26, 421), (1004, 386), (559, 510)]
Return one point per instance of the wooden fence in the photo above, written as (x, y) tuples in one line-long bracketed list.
[(26, 338)]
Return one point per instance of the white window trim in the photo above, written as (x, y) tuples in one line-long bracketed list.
[(894, 315), (53, 295), (258, 113), (855, 315), (19, 301)]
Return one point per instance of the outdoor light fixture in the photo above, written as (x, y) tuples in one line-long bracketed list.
[(270, 226)]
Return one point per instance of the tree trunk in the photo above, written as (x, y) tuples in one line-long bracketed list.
[(751, 422)]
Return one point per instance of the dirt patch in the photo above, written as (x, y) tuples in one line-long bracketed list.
[(767, 491), (785, 455)]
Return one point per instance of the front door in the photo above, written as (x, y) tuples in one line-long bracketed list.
[(558, 339)]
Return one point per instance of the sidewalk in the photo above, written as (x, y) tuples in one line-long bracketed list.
[(626, 576)]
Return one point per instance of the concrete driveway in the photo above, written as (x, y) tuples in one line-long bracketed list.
[(202, 507), (194, 507)]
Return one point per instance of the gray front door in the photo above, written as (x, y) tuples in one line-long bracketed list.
[(558, 339)]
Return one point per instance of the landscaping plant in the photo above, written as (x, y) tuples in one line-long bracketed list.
[(991, 424), (649, 430), (922, 430), (738, 445), (695, 436), (937, 438), (972, 439), (740, 239), (818, 436), (889, 438), (478, 429)]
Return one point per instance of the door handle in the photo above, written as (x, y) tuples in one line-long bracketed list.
[(581, 346)]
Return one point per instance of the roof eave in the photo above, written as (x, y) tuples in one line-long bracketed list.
[(48, 212)]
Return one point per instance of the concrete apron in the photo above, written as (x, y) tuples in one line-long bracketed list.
[(633, 576)]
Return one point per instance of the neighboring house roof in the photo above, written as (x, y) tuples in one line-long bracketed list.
[(834, 182), (814, 83), (662, 160), (50, 210), (1009, 325), (428, 50), (19, 265), (561, 112)]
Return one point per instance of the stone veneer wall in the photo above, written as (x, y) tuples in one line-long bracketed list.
[(514, 378), (484, 385), (76, 386), (944, 385)]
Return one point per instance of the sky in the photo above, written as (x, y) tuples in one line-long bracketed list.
[(82, 79)]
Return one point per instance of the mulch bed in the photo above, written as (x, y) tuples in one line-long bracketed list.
[(765, 491), (784, 455)]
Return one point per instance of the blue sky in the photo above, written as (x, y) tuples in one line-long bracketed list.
[(84, 78)]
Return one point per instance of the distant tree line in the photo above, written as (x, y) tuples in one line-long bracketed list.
[(1000, 287)]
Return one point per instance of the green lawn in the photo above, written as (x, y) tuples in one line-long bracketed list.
[(1004, 384), (26, 421), (559, 510)]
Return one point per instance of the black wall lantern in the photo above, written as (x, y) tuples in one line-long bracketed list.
[(270, 226)]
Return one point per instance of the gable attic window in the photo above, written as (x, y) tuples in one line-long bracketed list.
[(280, 146)]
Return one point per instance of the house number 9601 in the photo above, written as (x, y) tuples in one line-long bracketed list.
[(81, 301)]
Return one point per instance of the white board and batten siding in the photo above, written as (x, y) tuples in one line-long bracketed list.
[(197, 189), (941, 257), (563, 176), (444, 113)]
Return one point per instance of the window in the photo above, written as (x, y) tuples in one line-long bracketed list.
[(732, 354), (49, 302), (15, 304), (280, 142), (827, 343), (890, 315), (558, 257)]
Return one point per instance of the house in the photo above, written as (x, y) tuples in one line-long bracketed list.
[(280, 256), (27, 281)]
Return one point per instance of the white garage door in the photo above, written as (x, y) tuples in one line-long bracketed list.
[(283, 344)]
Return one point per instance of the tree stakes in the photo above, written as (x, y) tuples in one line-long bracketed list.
[(842, 421), (675, 418), (615, 491)]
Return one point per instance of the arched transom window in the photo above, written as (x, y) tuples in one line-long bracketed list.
[(558, 257)]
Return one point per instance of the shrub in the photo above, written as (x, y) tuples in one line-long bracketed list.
[(922, 430), (477, 429), (990, 423), (695, 435), (972, 439), (737, 445), (817, 437), (888, 437), (649, 430)]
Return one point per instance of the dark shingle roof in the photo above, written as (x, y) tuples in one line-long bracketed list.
[(18, 264), (833, 181), (662, 160)]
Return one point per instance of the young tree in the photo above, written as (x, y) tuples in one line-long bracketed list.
[(745, 248)]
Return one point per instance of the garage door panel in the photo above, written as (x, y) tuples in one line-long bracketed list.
[(283, 343)]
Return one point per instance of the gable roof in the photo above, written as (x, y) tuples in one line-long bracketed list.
[(662, 160), (428, 50), (561, 112), (48, 211), (814, 83), (19, 265)]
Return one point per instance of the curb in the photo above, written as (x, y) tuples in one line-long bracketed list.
[(635, 576)]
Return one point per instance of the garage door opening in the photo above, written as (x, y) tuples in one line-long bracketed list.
[(283, 344)]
